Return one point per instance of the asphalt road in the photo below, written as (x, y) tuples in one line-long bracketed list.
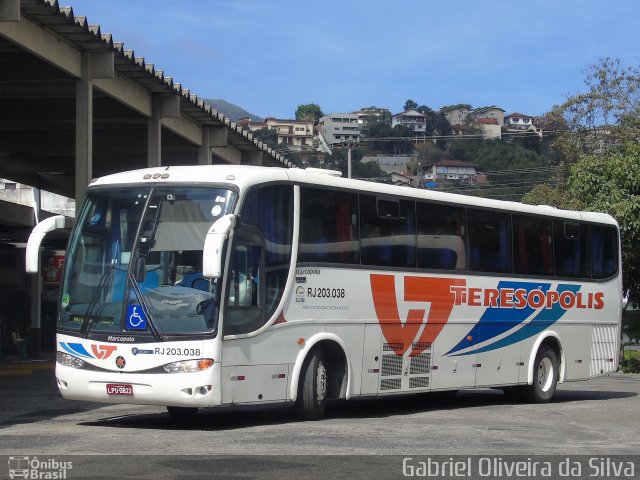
[(599, 417)]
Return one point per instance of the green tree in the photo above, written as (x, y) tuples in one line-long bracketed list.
[(601, 142), (611, 184), (309, 112), (494, 155), (603, 117), (464, 150), (546, 194), (392, 139), (428, 154), (410, 105), (530, 142), (267, 135), (368, 170)]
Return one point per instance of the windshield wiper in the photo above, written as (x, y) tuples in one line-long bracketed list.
[(89, 317), (152, 326)]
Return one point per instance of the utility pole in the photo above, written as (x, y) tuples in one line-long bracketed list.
[(349, 145)]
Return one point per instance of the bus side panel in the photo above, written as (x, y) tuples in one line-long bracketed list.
[(253, 367), (453, 371), (370, 377), (260, 383), (576, 349), (605, 348), (500, 366), (351, 334)]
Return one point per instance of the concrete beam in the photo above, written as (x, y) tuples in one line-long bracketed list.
[(228, 154), (102, 65), (185, 128), (43, 44), (15, 214), (126, 92), (169, 106), (218, 136), (252, 157), (9, 10)]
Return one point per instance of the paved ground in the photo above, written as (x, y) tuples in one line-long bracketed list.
[(599, 417)]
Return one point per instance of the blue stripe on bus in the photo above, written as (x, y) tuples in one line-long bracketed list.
[(76, 349), (495, 320), (542, 321)]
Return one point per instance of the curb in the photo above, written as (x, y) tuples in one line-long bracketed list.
[(19, 368)]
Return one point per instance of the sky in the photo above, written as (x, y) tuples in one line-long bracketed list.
[(269, 56)]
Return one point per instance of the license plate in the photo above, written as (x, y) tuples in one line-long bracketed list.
[(119, 389)]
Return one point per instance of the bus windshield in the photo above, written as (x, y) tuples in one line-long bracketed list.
[(134, 262)]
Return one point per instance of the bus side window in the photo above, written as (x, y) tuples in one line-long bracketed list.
[(244, 312), (441, 237), (270, 210), (532, 245), (604, 251), (328, 226), (489, 241), (571, 249), (387, 231)]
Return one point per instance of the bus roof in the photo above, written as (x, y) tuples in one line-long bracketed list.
[(244, 176)]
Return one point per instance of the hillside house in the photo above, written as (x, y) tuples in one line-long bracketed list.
[(340, 128), (456, 114), (451, 170), (412, 119), (296, 134), (494, 112)]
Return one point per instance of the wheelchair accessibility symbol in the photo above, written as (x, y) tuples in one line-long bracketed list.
[(136, 318)]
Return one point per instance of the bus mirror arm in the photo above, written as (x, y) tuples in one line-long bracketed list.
[(214, 246), (37, 235)]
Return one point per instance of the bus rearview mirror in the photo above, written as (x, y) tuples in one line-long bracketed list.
[(214, 246), (32, 255)]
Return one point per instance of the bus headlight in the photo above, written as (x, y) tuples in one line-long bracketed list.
[(188, 366), (69, 360)]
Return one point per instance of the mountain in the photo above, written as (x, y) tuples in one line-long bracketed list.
[(231, 111)]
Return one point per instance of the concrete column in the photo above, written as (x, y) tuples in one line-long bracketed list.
[(35, 289), (154, 134), (84, 129), (10, 11), (35, 301), (204, 152), (162, 106)]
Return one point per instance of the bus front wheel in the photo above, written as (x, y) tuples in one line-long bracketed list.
[(312, 389), (545, 376), (182, 412)]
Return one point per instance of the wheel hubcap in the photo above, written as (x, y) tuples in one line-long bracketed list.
[(545, 374), (322, 383)]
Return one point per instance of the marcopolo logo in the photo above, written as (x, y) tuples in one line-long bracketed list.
[(34, 468)]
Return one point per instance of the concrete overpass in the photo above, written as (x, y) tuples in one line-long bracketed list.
[(75, 104)]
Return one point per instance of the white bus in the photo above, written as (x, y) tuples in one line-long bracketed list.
[(204, 286)]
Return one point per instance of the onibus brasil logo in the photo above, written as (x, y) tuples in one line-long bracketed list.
[(34, 468)]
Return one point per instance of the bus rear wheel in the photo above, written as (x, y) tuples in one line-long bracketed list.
[(313, 388), (545, 376), (182, 412)]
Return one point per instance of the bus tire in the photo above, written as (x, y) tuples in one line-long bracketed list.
[(312, 389), (545, 376), (182, 412)]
